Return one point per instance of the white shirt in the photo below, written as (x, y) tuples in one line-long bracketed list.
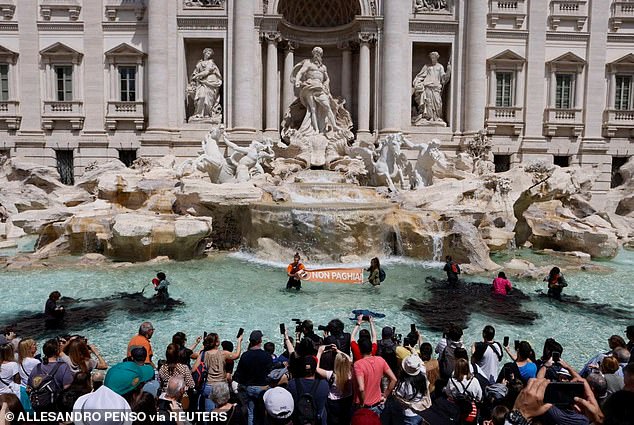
[(7, 372), (26, 368), (490, 362), (472, 387)]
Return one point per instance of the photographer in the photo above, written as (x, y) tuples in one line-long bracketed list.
[(76, 353), (306, 328), (335, 328), (363, 333)]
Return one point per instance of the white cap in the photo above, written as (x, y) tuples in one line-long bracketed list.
[(279, 403), (99, 401)]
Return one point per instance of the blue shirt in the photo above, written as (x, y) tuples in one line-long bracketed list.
[(528, 371)]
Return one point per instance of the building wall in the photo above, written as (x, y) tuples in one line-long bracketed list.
[(533, 39)]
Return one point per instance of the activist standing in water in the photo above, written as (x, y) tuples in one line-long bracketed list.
[(556, 283), (453, 270), (293, 271), (375, 272)]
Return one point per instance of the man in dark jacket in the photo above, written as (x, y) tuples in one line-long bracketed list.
[(452, 269)]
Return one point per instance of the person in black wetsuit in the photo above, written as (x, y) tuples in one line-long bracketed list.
[(453, 270), (161, 289), (53, 314), (556, 283)]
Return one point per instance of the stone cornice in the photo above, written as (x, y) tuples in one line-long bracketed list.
[(60, 26), (440, 27), (317, 36), (502, 34), (567, 36), (202, 23)]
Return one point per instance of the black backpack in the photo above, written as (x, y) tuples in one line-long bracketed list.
[(446, 363), (381, 274), (45, 392), (388, 352), (305, 406)]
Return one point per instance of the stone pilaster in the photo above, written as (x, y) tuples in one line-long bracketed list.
[(158, 79), (29, 77), (288, 94), (535, 59), (346, 71), (475, 95), (93, 69), (272, 90), (244, 71), (363, 104), (395, 70), (595, 69)]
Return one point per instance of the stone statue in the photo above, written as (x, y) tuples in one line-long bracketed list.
[(388, 167), (427, 87), (241, 165), (315, 111), (247, 161), (204, 86), (429, 155), (430, 5)]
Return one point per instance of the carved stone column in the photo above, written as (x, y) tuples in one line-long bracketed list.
[(346, 71), (245, 72), (158, 78), (288, 94), (396, 69), (272, 91), (363, 104), (474, 82)]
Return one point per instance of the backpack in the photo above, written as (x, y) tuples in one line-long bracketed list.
[(381, 275), (446, 364), (199, 375), (388, 353), (454, 268), (44, 392), (305, 405), (466, 403)]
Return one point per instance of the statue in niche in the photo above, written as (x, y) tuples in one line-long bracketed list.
[(421, 6), (204, 87), (315, 111), (427, 87)]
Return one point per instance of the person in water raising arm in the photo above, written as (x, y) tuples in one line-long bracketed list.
[(295, 272)]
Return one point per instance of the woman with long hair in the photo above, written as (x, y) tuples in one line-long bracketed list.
[(26, 359), (524, 359), (215, 359), (410, 396), (339, 401), (375, 272), (77, 354), (556, 283), (9, 371), (172, 368)]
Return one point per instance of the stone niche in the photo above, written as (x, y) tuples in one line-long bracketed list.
[(420, 58), (193, 53)]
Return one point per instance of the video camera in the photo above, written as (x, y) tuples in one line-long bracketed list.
[(325, 328), (299, 326)]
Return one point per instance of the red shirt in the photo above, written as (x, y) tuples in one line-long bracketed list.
[(501, 286), (370, 370), (356, 352)]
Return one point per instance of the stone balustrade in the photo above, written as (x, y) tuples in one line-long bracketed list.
[(559, 118), (69, 111), (10, 114), (621, 11), (505, 116), (514, 10), (119, 111), (616, 119), (568, 10)]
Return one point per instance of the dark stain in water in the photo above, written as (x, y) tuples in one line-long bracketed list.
[(84, 313)]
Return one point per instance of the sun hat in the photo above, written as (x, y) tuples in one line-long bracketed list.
[(413, 365)]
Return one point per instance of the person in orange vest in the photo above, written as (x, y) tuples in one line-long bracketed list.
[(453, 270), (556, 283), (294, 272)]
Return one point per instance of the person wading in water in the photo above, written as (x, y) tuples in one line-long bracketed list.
[(294, 272)]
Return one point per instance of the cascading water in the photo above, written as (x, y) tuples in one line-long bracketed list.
[(437, 247)]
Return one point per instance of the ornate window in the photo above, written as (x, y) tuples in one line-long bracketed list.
[(4, 82), (506, 85), (619, 115), (563, 112), (316, 13), (62, 85), (9, 106), (125, 103)]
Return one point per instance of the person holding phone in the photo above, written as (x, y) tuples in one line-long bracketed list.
[(339, 402), (363, 333), (522, 360)]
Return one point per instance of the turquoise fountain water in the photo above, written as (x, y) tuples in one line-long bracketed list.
[(228, 291)]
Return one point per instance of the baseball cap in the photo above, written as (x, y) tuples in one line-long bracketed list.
[(279, 403), (125, 377), (256, 336), (412, 365)]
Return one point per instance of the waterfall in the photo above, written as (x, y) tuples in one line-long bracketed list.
[(437, 247), (397, 242), (511, 245)]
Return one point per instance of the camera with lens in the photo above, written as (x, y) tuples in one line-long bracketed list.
[(324, 328), (299, 327)]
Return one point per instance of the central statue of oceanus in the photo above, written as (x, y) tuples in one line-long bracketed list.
[(316, 121)]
